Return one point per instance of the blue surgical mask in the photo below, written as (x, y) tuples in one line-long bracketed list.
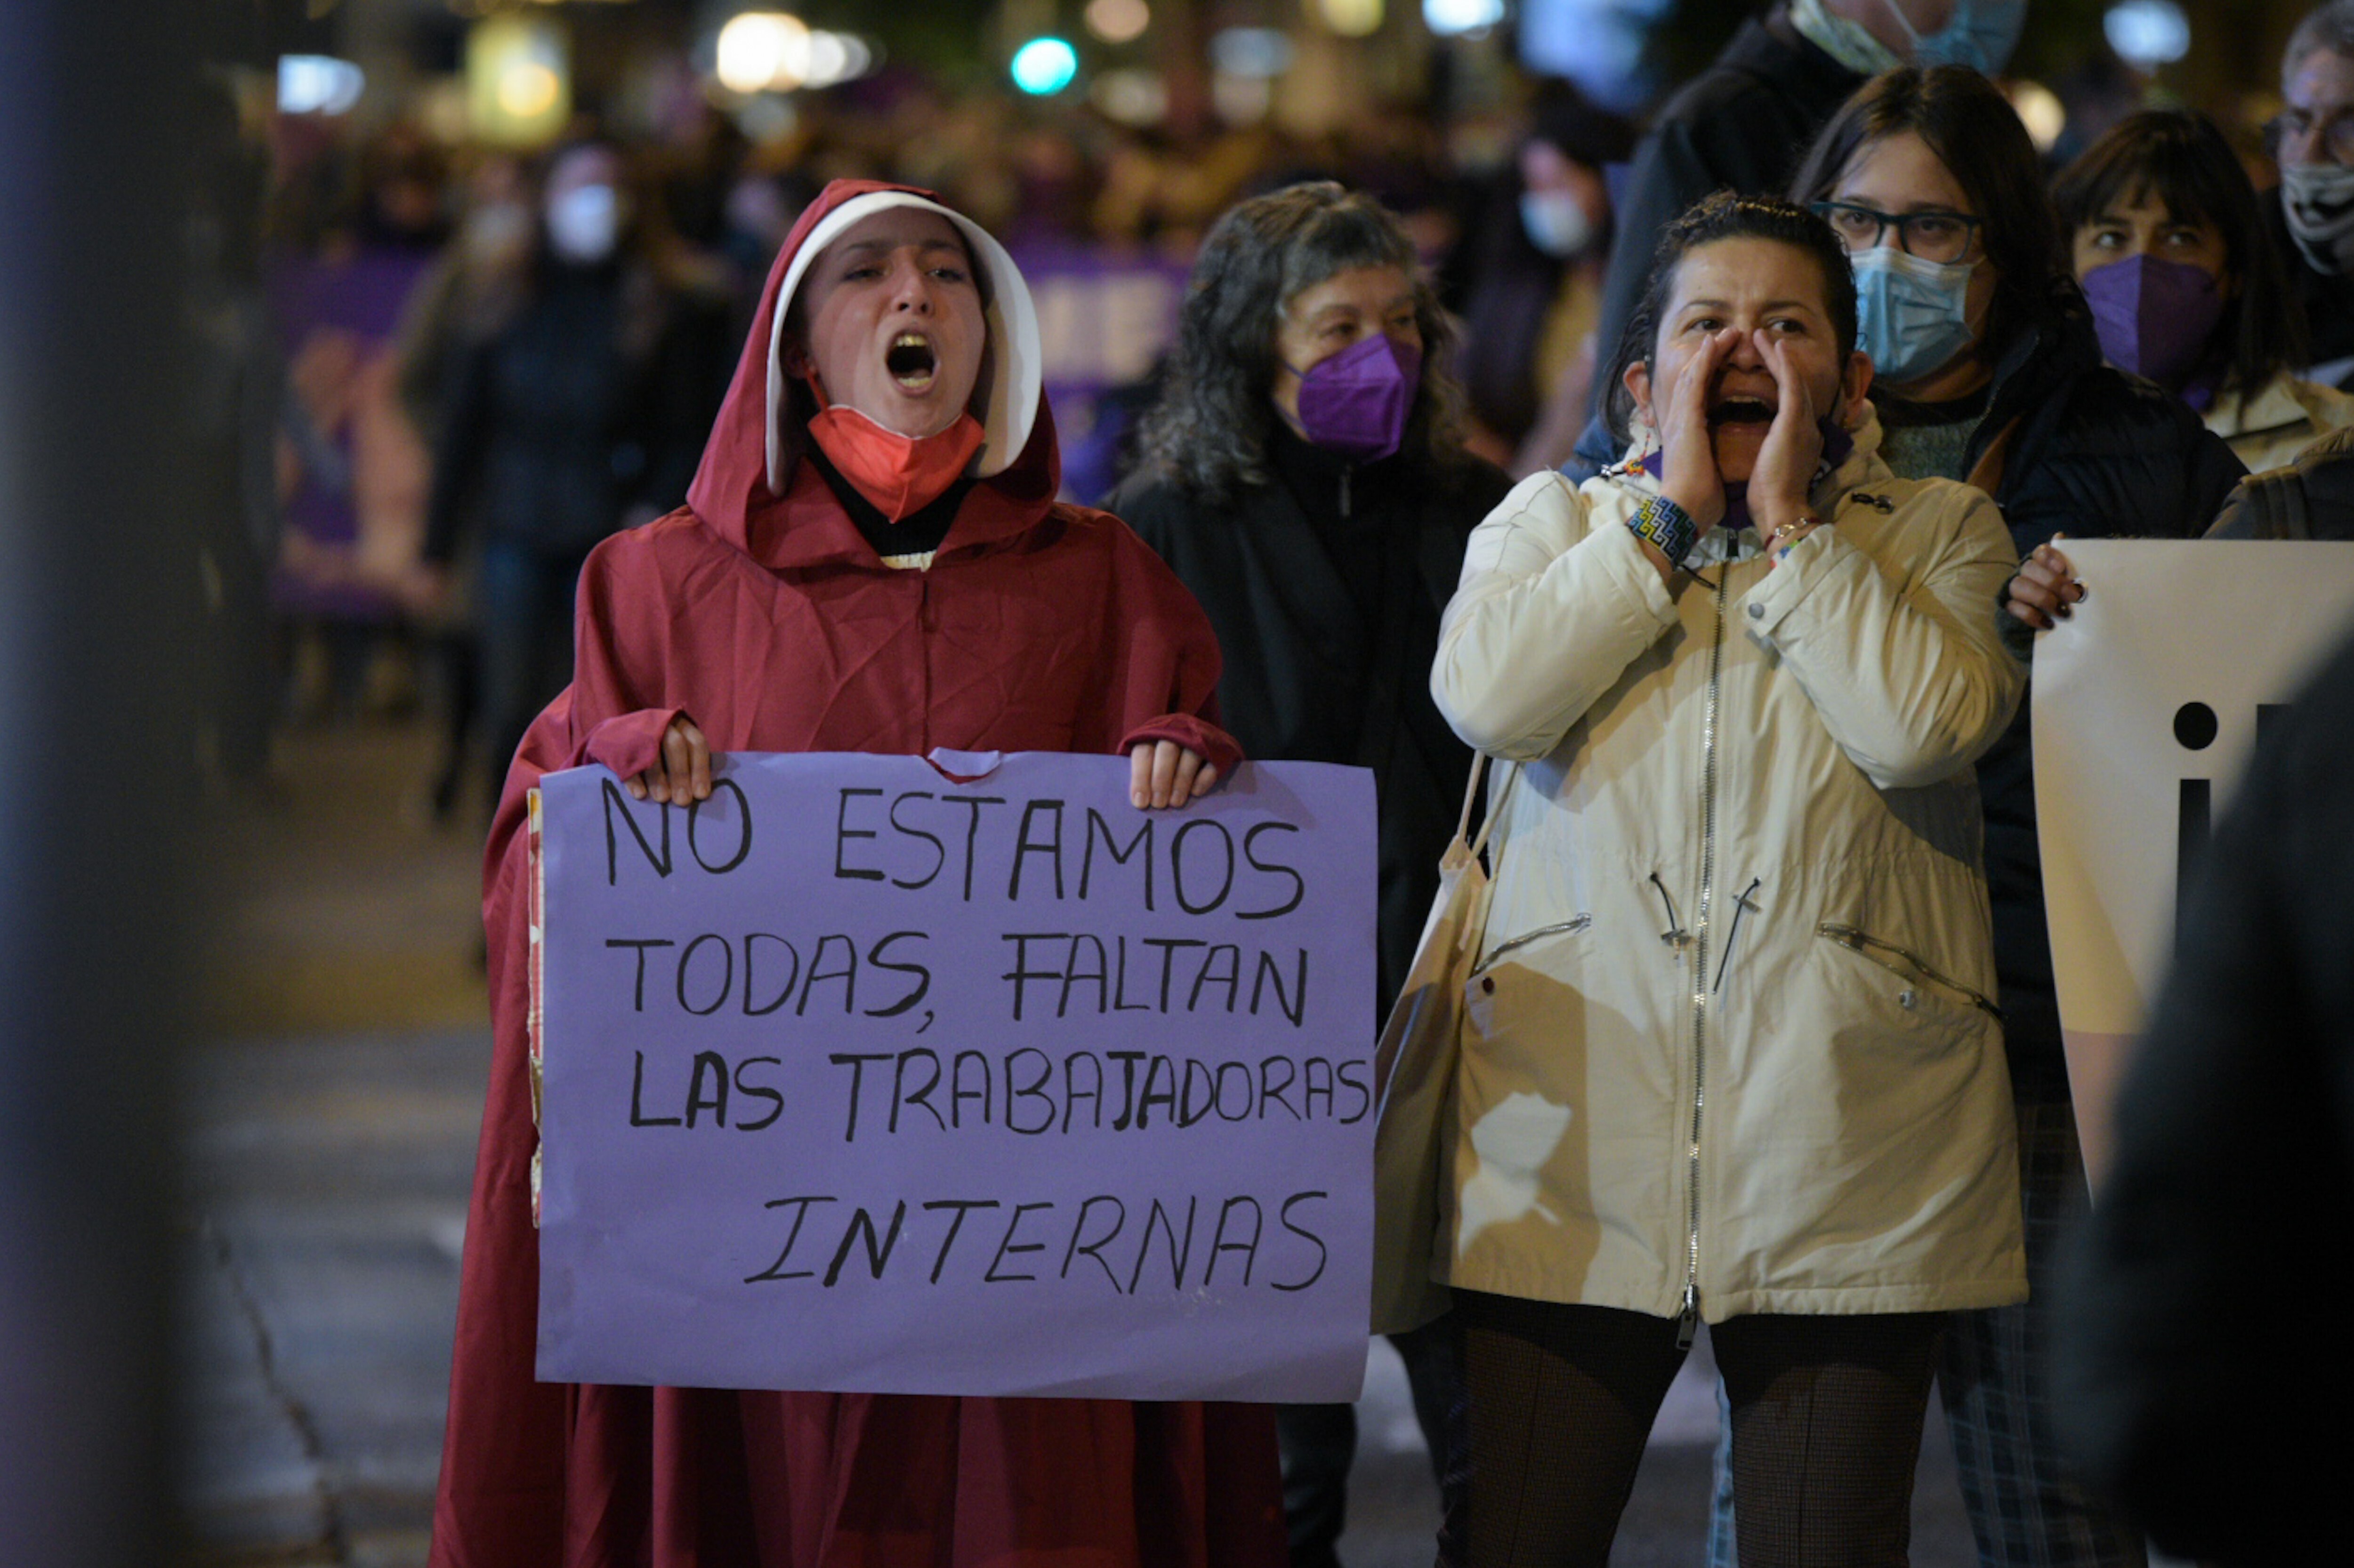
[(1911, 316), (1980, 34)]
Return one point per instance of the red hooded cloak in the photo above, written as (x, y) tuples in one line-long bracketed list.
[(769, 619)]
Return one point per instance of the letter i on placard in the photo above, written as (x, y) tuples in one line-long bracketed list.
[(2195, 729)]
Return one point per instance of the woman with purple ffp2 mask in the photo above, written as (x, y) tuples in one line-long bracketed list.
[(1304, 474), (2186, 286)]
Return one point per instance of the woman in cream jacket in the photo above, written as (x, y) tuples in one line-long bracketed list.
[(1731, 1053)]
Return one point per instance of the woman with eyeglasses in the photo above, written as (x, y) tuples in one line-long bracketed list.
[(1987, 368), (2167, 239)]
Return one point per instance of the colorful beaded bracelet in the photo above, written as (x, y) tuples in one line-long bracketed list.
[(1666, 525)]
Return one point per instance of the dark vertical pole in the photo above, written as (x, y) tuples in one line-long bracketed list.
[(97, 575)]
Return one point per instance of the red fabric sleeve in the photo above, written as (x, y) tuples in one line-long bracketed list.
[(1194, 733), (629, 743)]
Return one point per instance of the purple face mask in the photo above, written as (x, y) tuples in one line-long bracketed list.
[(1356, 403), (2154, 317)]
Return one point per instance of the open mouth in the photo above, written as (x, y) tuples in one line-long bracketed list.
[(1738, 410), (911, 362)]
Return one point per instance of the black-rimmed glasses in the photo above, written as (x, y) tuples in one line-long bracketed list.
[(1933, 236)]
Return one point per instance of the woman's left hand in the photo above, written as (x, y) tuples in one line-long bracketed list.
[(1793, 447), (1164, 773), (2046, 590)]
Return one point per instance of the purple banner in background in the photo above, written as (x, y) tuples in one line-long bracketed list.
[(859, 1077), (1103, 317)]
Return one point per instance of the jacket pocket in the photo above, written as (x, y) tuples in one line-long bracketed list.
[(1541, 959), (1922, 981)]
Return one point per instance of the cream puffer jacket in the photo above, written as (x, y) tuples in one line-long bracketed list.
[(1732, 1045)]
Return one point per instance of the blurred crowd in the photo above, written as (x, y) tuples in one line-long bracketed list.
[(446, 370)]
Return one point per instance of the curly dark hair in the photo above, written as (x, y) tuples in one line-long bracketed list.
[(2182, 158), (1727, 216), (1209, 431), (1965, 120)]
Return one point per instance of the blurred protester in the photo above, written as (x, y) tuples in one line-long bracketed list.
[(1989, 370), (1535, 290), (2310, 497), (1305, 475), (871, 558), (353, 473), (477, 280), (2234, 1181), (1054, 189), (2312, 140), (1745, 674), (1742, 123), (2170, 246), (575, 412), (763, 205), (232, 408)]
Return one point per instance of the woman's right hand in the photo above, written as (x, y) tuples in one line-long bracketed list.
[(1687, 474), (681, 771), (2046, 589)]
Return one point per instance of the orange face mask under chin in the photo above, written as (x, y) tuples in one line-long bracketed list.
[(900, 475)]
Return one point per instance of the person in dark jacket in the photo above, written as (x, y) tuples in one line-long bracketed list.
[(2310, 215), (2233, 1179), (1986, 348), (1536, 252), (577, 411), (1304, 475), (1743, 124), (2309, 498)]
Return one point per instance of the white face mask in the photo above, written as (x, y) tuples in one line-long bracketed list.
[(584, 224), (1556, 222), (2318, 201)]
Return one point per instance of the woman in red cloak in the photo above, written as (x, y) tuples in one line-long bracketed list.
[(871, 559)]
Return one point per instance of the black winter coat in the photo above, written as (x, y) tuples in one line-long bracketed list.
[(2095, 453), (571, 414), (1327, 614), (1741, 124), (2185, 1384)]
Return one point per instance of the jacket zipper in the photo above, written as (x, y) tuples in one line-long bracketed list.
[(1688, 1324), (1872, 949)]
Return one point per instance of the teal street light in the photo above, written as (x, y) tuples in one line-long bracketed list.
[(1043, 67)]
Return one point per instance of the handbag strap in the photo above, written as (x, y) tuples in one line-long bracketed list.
[(1470, 796), (1495, 807)]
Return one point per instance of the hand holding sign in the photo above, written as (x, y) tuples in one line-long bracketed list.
[(681, 770)]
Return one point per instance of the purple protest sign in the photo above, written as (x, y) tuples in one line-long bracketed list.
[(864, 1077)]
